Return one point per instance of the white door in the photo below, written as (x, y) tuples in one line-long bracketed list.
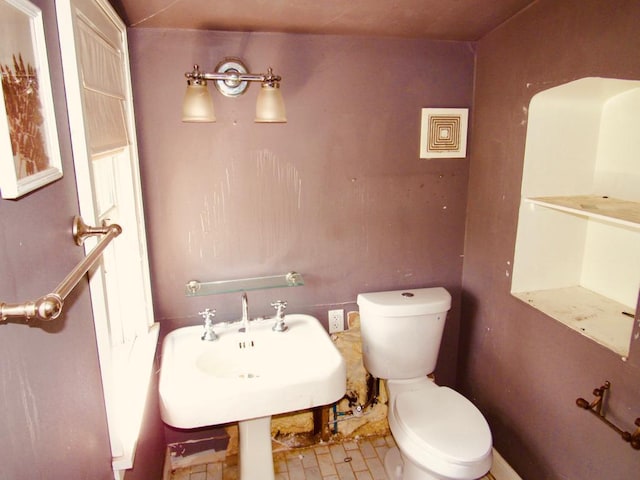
[(98, 88)]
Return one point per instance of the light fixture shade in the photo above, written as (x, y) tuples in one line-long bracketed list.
[(270, 105), (197, 105)]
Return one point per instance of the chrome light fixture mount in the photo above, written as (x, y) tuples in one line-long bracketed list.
[(232, 86), (231, 78)]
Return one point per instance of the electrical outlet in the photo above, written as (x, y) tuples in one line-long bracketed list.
[(336, 321)]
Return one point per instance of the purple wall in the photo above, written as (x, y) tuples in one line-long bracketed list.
[(338, 193), (524, 369), (53, 422)]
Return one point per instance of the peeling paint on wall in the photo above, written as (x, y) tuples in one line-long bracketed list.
[(260, 198)]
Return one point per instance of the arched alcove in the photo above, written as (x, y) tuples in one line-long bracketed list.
[(577, 256)]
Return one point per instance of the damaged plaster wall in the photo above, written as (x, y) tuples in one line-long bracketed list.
[(372, 420), (297, 429), (346, 421)]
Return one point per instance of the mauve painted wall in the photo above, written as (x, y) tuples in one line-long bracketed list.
[(53, 422), (339, 193), (524, 369)]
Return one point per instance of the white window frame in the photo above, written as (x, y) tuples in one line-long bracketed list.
[(126, 360)]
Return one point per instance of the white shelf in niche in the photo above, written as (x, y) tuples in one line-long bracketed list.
[(599, 207), (586, 312), (577, 256)]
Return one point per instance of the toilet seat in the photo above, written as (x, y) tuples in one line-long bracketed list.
[(442, 431)]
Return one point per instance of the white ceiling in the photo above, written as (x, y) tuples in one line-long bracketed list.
[(435, 19)]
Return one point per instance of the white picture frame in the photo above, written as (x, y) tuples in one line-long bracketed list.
[(443, 132), (29, 148)]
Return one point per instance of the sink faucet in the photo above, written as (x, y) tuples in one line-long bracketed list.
[(208, 335), (245, 313)]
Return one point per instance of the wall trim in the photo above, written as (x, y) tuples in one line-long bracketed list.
[(166, 469), (501, 470)]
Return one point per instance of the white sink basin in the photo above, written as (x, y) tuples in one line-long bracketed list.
[(247, 377)]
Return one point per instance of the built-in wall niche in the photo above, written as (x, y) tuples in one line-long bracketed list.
[(577, 256)]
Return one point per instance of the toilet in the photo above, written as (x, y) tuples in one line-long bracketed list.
[(440, 434)]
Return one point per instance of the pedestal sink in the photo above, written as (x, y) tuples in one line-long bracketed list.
[(247, 377)]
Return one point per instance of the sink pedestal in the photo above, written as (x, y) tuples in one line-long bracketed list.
[(254, 449)]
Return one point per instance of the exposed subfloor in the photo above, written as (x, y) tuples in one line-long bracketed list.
[(359, 459)]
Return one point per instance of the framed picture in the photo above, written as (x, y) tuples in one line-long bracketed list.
[(29, 149), (444, 133)]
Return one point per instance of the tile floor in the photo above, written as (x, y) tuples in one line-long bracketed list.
[(359, 459)]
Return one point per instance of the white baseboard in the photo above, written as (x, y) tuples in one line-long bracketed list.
[(501, 470)]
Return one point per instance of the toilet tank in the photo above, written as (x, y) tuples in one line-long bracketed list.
[(401, 331)]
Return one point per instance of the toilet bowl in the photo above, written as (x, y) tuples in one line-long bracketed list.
[(440, 434)]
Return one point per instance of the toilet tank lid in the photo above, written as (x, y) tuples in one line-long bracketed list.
[(399, 303)]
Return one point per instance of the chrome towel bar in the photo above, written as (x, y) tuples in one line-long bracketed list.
[(49, 306)]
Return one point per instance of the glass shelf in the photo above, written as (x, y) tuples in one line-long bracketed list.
[(195, 288)]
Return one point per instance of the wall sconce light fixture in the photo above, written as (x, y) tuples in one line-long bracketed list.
[(232, 79)]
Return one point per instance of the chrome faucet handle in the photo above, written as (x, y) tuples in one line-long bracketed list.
[(207, 314), (279, 305), (208, 334), (279, 326)]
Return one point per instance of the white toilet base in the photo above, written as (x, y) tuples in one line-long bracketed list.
[(393, 464), (397, 469)]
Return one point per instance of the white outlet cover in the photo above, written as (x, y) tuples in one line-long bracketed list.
[(336, 320)]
